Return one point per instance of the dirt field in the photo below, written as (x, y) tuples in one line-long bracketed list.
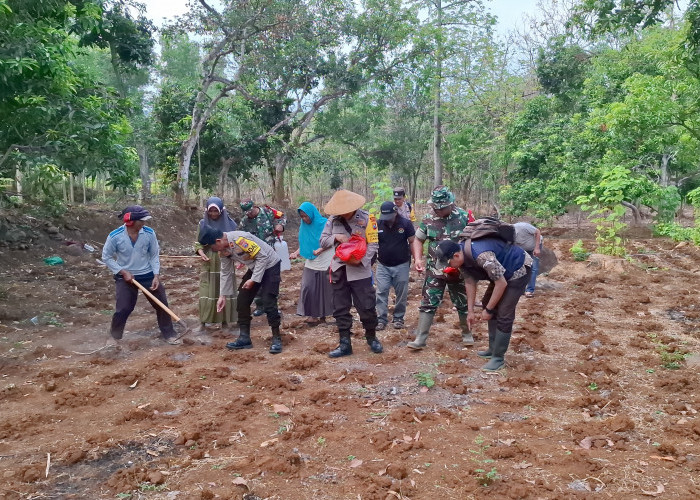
[(597, 401)]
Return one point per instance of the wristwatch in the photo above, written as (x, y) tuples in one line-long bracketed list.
[(490, 311)]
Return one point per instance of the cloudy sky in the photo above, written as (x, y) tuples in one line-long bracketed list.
[(509, 12)]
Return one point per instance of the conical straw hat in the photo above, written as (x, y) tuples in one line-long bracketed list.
[(343, 202)]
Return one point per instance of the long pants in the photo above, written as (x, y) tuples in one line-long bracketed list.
[(126, 301), (269, 288), (386, 278), (535, 269), (359, 293), (434, 289), (505, 309)]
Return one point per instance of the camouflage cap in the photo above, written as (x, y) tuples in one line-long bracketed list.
[(247, 204), (441, 197)]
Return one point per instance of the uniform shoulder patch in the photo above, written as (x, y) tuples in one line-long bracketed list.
[(148, 230), (371, 233), (248, 246)]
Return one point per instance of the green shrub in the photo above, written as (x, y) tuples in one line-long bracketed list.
[(580, 254)]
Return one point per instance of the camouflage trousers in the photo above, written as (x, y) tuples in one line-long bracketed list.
[(434, 289)]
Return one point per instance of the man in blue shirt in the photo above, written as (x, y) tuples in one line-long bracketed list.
[(131, 253), (396, 234)]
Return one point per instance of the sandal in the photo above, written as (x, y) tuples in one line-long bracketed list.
[(529, 295)]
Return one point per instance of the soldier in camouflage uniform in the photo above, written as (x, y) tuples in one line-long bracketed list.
[(267, 224), (446, 222), (264, 222)]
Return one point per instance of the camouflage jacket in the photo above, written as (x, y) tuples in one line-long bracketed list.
[(435, 229), (263, 224)]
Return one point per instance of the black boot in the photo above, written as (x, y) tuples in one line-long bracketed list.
[(276, 346), (500, 346), (243, 340), (373, 342), (492, 335), (344, 348)]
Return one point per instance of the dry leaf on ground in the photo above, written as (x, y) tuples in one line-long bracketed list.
[(659, 490), (240, 481), (268, 443), (281, 409)]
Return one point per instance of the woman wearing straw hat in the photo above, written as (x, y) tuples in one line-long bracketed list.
[(351, 280)]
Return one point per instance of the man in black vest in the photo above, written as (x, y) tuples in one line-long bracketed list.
[(507, 267)]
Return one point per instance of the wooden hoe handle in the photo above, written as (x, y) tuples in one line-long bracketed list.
[(154, 299)]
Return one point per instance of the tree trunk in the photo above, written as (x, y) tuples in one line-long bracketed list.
[(665, 158), (183, 175), (636, 216), (281, 162), (437, 123), (414, 184), (18, 181), (366, 170), (144, 171), (223, 175), (199, 119), (236, 191)]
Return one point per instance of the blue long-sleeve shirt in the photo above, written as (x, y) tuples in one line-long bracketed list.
[(139, 257)]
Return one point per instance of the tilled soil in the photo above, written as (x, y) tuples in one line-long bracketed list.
[(599, 399)]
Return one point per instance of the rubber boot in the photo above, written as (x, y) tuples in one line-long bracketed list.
[(344, 347), (492, 335), (467, 337), (425, 320), (373, 342), (500, 346), (243, 340), (276, 346)]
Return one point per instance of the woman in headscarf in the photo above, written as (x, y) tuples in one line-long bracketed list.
[(315, 298), (216, 216)]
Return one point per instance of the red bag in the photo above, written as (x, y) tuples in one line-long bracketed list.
[(356, 247)]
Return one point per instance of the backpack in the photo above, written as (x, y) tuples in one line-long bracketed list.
[(488, 227)]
